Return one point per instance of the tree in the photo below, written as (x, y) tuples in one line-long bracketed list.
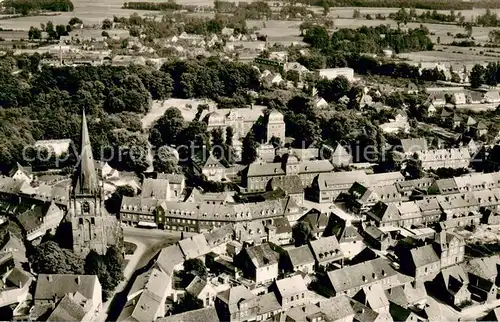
[(115, 265), (477, 76), (170, 125), (301, 233), (249, 149), (34, 33), (414, 168), (166, 160), (218, 146), (113, 203), (317, 37), (356, 14), (196, 267), (51, 32), (468, 29), (61, 31), (107, 24), (49, 258), (75, 20), (95, 265)]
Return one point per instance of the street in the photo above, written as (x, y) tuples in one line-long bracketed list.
[(149, 242)]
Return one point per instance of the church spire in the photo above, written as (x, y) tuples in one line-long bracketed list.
[(86, 176)]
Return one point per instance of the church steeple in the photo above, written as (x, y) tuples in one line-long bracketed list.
[(86, 177)]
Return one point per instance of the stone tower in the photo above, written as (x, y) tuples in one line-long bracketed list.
[(92, 227)]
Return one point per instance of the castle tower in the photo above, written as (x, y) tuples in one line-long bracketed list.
[(92, 227), (275, 126)]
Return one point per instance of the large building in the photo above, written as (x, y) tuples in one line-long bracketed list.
[(332, 73), (243, 119), (93, 227)]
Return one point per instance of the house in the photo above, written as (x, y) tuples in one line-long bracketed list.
[(326, 251), (19, 172), (450, 248), (410, 214), (176, 182), (402, 314), (299, 259), (411, 88), (429, 108), (39, 220), (308, 312), (257, 176), (275, 126), (445, 158), (340, 156), (267, 307), (350, 279), (452, 285), (374, 298), (194, 246), (146, 301), (236, 304), (200, 315), (54, 147), (72, 307), (213, 169), (327, 187), (291, 291), (156, 188), (50, 288), (259, 263), (319, 102), (332, 73), (377, 238), (482, 273), (408, 295), (15, 287), (291, 185), (383, 214), (481, 129), (360, 198), (421, 262), (458, 98), (410, 146), (338, 309), (398, 124), (202, 291), (491, 97), (170, 259), (317, 221), (351, 242), (474, 97)]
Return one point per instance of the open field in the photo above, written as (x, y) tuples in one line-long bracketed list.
[(159, 108)]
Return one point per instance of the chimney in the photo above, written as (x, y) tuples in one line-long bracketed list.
[(78, 280), (49, 278)]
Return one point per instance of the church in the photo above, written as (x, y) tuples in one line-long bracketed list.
[(93, 228)]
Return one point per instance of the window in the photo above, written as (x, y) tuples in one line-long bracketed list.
[(302, 295), (85, 207), (92, 221), (80, 221)]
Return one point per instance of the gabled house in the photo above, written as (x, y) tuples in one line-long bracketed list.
[(491, 97), (39, 220), (481, 129), (450, 248), (213, 169), (483, 277), (422, 263), (452, 283), (259, 263), (373, 297), (401, 314), (236, 304), (350, 279), (291, 291), (408, 295), (326, 251), (377, 238), (384, 214), (20, 172), (458, 98), (340, 156), (202, 291), (15, 287), (317, 221), (299, 259)]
